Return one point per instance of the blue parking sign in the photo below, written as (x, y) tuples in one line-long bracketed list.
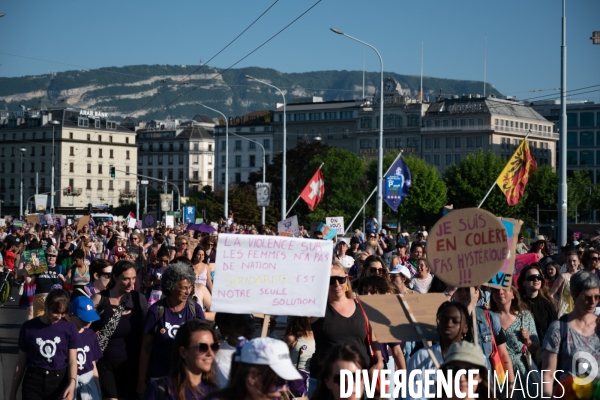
[(189, 214)]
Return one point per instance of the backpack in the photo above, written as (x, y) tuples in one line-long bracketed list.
[(161, 310)]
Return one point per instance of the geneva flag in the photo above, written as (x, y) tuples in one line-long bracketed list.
[(514, 176)]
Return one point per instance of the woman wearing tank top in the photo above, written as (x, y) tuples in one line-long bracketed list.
[(80, 272), (344, 322), (201, 269)]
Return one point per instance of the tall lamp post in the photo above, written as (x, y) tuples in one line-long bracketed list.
[(380, 158), (21, 169), (264, 166), (54, 123), (226, 205), (284, 168), (562, 187)]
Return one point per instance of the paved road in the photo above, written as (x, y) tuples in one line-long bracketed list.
[(11, 319)]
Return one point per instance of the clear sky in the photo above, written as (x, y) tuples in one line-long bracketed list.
[(523, 37)]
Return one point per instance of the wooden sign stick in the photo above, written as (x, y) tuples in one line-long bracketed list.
[(413, 320), (472, 307), (265, 326)]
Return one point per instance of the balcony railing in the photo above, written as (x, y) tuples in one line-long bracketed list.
[(481, 128), (72, 192), (127, 193)]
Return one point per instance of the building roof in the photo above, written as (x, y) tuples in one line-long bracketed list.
[(487, 106), (195, 132), (203, 118)]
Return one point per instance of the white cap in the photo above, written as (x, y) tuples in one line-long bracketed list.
[(272, 352), (401, 269), (342, 240)]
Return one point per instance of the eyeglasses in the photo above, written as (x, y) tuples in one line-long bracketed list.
[(591, 299), (203, 347), (337, 279), (378, 271), (536, 277), (183, 243), (371, 236), (89, 247)]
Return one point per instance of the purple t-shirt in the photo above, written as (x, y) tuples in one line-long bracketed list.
[(152, 392), (156, 272), (88, 352), (163, 333), (47, 345)]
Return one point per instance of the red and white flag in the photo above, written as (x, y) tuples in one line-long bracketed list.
[(314, 190), (130, 215)]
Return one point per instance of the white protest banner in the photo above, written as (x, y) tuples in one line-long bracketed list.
[(274, 275), (336, 223), (2, 222), (289, 225), (131, 223), (40, 202), (170, 221)]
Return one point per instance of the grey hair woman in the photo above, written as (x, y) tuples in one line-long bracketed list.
[(574, 333), (164, 319)]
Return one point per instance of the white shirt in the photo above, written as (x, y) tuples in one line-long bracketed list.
[(422, 285), (346, 261)]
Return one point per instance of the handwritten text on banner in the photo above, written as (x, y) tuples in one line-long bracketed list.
[(271, 275)]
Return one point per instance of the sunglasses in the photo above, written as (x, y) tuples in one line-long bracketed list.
[(337, 279), (592, 299), (105, 274), (134, 238), (594, 258), (532, 278), (378, 271), (203, 347), (183, 243)]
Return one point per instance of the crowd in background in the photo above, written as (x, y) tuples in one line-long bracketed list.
[(124, 313)]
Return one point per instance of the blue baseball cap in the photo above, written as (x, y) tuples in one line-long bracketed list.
[(83, 307)]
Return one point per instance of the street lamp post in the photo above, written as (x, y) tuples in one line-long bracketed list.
[(380, 158), (562, 186), (54, 123), (264, 166), (284, 168), (21, 169), (226, 205)]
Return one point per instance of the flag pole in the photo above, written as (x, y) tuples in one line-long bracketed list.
[(290, 209), (372, 193), (494, 184)]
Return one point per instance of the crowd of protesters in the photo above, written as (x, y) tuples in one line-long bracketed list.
[(125, 313)]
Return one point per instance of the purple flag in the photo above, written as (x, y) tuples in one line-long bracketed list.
[(396, 184)]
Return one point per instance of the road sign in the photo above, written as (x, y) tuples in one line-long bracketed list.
[(143, 182), (149, 220)]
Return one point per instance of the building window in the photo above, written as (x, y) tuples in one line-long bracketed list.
[(448, 159), (366, 122), (32, 169), (346, 114), (210, 147), (72, 151), (251, 145), (586, 157), (88, 185), (457, 159), (99, 184), (160, 174), (89, 152), (445, 123), (398, 143), (436, 123), (89, 137), (196, 159), (110, 185), (195, 146), (314, 116), (389, 143), (330, 115), (160, 160), (267, 143), (298, 117), (571, 139), (83, 122), (238, 144), (127, 140), (100, 168), (448, 142), (223, 161), (99, 153), (268, 159), (110, 139), (170, 159), (457, 143), (345, 133), (253, 161), (210, 175), (170, 174), (71, 135), (586, 139), (571, 120), (111, 125), (238, 178), (463, 122), (238, 161), (455, 122), (365, 143), (436, 143), (414, 120), (436, 160), (469, 142), (478, 141), (111, 154), (222, 177), (181, 159), (32, 151), (571, 157), (89, 168), (127, 154), (428, 159), (150, 160), (427, 143)]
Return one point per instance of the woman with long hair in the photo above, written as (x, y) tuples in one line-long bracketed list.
[(47, 353), (301, 341), (551, 273), (86, 245), (374, 265), (201, 269), (421, 282), (536, 298), (181, 248), (209, 244), (575, 332), (80, 271), (339, 357), (540, 247), (519, 326), (561, 290), (192, 374), (122, 311), (260, 371), (163, 320)]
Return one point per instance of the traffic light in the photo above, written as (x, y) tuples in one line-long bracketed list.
[(112, 171), (69, 190)]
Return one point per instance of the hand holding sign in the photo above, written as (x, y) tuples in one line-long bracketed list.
[(467, 247)]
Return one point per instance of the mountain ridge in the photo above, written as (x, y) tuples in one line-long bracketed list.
[(172, 91)]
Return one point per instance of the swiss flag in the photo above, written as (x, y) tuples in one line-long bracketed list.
[(314, 190)]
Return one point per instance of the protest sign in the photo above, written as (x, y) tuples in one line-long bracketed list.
[(32, 219), (85, 220), (40, 202), (18, 223), (166, 201), (131, 223), (521, 262), (149, 220), (35, 261), (336, 223), (2, 222), (467, 247), (46, 219), (271, 275), (503, 278), (189, 214), (288, 225), (328, 232), (263, 194), (170, 221), (390, 321)]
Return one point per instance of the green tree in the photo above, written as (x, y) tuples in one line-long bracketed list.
[(579, 194), (541, 189), (469, 181)]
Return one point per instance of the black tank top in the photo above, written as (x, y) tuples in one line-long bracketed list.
[(334, 329)]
